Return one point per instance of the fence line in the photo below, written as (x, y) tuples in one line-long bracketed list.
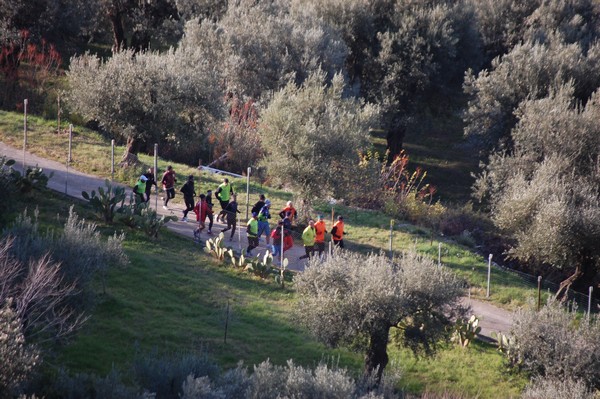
[(582, 300)]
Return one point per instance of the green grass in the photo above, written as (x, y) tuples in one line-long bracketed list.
[(172, 298), (368, 230), (474, 372)]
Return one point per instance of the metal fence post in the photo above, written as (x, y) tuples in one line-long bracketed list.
[(539, 301), (156, 176), (112, 160), (589, 310), (248, 191), (391, 238), (70, 159), (489, 275), (24, 133)]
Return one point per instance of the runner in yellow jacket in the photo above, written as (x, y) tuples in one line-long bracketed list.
[(308, 238)]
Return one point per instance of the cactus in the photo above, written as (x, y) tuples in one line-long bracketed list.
[(106, 201), (504, 342), (237, 262), (216, 247), (33, 178), (465, 332), (149, 221), (260, 268)]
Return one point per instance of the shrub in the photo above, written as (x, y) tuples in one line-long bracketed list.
[(83, 252), (18, 358), (556, 389), (165, 375), (269, 381), (40, 297), (83, 385), (553, 343), (79, 248)]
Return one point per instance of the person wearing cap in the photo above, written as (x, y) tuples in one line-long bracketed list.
[(151, 181), (231, 210), (140, 188), (252, 232), (337, 232), (263, 222), (223, 193), (320, 230), (308, 239), (188, 196), (289, 209), (168, 183)]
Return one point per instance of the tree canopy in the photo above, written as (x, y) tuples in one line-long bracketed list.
[(350, 299), (546, 192), (311, 132)]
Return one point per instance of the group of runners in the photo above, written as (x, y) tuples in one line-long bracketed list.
[(279, 238)]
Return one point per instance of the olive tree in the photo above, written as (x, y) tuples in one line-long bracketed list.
[(148, 97), (425, 49), (306, 129), (18, 357), (356, 299), (545, 194), (555, 344), (530, 70), (260, 46)]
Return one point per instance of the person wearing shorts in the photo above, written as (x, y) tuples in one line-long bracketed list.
[(263, 222)]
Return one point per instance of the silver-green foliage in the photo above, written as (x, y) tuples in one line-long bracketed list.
[(555, 343), (269, 381), (147, 97), (545, 194), (260, 46), (79, 248), (312, 132), (18, 357), (353, 299), (556, 389), (531, 70), (83, 252)]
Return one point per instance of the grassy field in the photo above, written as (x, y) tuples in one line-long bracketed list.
[(368, 230), (173, 298)]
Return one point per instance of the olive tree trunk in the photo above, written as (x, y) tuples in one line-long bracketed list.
[(395, 140), (376, 357)]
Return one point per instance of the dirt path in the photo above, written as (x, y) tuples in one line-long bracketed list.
[(73, 183)]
